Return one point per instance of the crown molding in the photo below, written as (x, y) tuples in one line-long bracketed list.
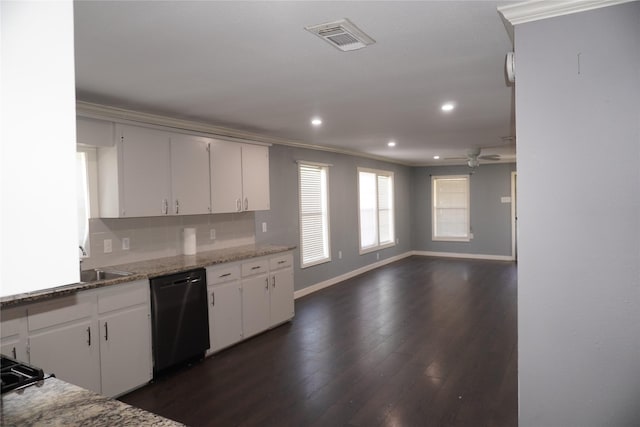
[(122, 115), (535, 10)]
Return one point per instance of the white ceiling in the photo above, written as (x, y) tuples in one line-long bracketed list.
[(251, 66)]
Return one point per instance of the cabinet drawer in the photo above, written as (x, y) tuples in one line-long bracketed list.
[(252, 268), (282, 261), (121, 296), (217, 275), (58, 311)]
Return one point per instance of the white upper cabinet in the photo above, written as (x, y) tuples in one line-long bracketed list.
[(97, 133), (255, 177), (189, 175), (226, 176), (149, 172), (239, 177), (134, 177)]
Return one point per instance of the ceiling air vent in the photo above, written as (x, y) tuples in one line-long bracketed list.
[(342, 34)]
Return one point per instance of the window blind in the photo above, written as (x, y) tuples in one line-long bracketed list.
[(314, 214), (451, 208)]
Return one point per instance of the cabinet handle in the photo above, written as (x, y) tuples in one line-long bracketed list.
[(213, 298), (238, 205), (89, 336), (165, 206), (257, 267), (274, 281), (224, 275), (267, 281), (281, 262), (106, 331), (177, 207), (246, 203), (14, 353)]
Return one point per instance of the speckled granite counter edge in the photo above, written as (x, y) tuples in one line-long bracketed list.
[(55, 402), (149, 269)]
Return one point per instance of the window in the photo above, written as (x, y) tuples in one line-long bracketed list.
[(82, 192), (375, 193), (314, 214), (450, 201)]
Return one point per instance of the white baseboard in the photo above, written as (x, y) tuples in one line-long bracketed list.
[(335, 280), (330, 282), (466, 256)]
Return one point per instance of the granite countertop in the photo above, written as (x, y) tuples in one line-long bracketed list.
[(150, 269), (53, 402)]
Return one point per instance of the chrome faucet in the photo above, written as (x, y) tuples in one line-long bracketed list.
[(84, 253)]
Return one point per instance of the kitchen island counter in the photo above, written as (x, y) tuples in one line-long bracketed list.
[(53, 402)]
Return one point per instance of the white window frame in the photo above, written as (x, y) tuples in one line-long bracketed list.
[(434, 208), (325, 213), (377, 246)]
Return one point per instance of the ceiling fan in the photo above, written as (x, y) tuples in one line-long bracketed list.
[(473, 157)]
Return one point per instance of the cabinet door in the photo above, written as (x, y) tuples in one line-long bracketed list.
[(225, 315), (13, 333), (189, 175), (70, 352), (255, 177), (282, 307), (125, 350), (146, 175), (255, 305), (226, 176)]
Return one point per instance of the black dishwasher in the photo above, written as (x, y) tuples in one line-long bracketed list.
[(179, 317)]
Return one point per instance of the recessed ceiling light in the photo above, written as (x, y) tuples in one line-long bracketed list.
[(391, 143), (436, 157), (447, 106), (316, 121)]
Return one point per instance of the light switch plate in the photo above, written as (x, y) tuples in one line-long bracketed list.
[(212, 234), (505, 199), (125, 243), (264, 227), (108, 248)]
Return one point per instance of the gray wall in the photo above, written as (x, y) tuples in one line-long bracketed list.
[(282, 219), (490, 219), (578, 136)]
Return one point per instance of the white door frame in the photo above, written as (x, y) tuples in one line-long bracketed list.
[(514, 216)]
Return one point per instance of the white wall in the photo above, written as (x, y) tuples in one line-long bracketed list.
[(578, 132), (38, 229)]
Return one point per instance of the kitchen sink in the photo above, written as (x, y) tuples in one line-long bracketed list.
[(96, 274)]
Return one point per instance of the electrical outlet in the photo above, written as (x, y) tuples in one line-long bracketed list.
[(264, 227), (125, 243), (212, 234), (107, 246), (377, 255), (339, 254)]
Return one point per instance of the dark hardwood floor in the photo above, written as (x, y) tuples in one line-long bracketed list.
[(420, 342)]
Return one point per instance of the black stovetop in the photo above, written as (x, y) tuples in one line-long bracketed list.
[(16, 374)]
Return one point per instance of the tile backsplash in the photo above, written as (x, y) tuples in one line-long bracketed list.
[(157, 237)]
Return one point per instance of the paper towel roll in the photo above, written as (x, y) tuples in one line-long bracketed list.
[(189, 241)]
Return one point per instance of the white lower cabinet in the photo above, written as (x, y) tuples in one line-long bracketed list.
[(281, 292), (13, 337), (267, 293), (248, 297), (225, 306), (255, 305), (63, 340), (125, 338), (98, 339)]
